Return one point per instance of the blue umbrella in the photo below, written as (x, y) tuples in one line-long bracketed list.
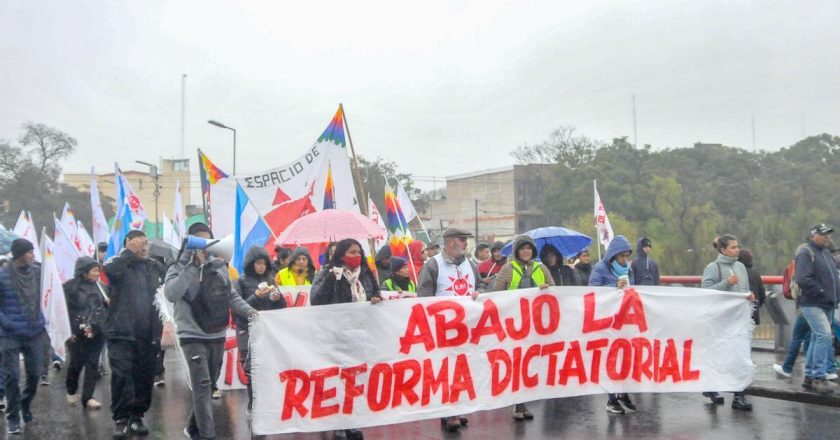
[(568, 242)]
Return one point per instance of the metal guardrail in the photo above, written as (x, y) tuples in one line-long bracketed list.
[(775, 316)]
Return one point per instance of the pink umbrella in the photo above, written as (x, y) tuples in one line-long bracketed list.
[(329, 225)]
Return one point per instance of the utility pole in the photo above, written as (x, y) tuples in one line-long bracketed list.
[(476, 222), (753, 133), (183, 110), (635, 132)]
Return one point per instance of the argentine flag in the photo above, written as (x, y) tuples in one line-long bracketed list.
[(250, 229)]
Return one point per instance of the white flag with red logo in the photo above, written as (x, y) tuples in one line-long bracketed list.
[(24, 228), (100, 224), (602, 222), (71, 228), (374, 215), (65, 253), (88, 247), (53, 302)]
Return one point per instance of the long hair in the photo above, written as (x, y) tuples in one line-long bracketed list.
[(341, 248)]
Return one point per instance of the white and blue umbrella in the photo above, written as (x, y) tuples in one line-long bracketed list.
[(567, 241)]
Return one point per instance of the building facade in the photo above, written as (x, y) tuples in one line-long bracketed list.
[(501, 202), (171, 171)]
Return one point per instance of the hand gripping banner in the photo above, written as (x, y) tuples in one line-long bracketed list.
[(356, 365)]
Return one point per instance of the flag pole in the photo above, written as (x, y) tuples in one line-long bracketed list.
[(360, 187), (597, 231), (400, 218), (202, 174)]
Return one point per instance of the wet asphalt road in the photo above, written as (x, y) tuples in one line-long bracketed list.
[(663, 416)]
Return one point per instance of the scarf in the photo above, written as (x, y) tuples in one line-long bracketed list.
[(619, 270), (401, 282), (357, 290), (26, 288), (300, 278)]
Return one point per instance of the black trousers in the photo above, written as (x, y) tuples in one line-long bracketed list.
[(33, 353), (84, 355), (132, 376)]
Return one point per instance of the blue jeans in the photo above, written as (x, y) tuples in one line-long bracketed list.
[(801, 334), (820, 355)]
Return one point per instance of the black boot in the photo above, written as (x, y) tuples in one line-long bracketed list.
[(740, 402), (715, 397)]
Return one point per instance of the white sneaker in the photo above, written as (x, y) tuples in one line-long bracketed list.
[(217, 394), (779, 370), (831, 376), (73, 399), (93, 404)]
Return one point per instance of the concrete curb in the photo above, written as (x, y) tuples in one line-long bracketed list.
[(803, 396)]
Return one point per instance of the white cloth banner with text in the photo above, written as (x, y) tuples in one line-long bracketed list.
[(356, 365)]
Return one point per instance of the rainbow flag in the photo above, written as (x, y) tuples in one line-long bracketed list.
[(210, 175), (335, 131), (329, 190), (396, 224)]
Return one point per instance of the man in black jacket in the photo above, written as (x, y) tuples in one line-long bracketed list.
[(133, 330), (816, 275)]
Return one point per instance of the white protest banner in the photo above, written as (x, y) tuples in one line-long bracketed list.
[(356, 365), (285, 193), (233, 376)]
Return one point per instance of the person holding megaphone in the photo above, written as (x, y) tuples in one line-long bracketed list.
[(200, 287)]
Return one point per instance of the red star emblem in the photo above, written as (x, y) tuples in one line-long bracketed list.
[(460, 286)]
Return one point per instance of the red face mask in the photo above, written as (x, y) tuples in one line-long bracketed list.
[(352, 262)]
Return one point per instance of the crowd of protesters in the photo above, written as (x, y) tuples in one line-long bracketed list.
[(123, 316)]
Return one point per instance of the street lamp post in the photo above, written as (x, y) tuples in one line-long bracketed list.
[(153, 173), (220, 125)]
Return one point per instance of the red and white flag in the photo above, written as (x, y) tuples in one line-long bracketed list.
[(71, 228), (374, 215), (65, 253), (88, 247), (100, 224), (53, 302), (602, 222), (24, 228)]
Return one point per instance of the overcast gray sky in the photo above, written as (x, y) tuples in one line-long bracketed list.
[(441, 87)]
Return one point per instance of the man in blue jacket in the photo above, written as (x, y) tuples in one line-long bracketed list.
[(645, 269), (21, 331), (816, 275)]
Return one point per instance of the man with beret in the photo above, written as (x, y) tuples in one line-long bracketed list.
[(816, 275), (450, 273), (21, 331)]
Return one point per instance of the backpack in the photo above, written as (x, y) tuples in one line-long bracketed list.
[(210, 306), (790, 289)]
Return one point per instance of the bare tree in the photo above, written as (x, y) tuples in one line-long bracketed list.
[(562, 147), (49, 144)]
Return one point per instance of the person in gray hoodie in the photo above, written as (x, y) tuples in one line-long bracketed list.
[(728, 274), (644, 268), (200, 287)]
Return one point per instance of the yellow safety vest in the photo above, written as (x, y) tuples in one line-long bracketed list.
[(389, 283), (537, 275), (285, 278)]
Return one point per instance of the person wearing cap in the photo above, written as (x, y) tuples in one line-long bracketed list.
[(202, 293), (645, 269), (133, 330), (87, 313), (488, 269), (450, 273), (21, 332), (431, 251), (400, 279), (816, 275)]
